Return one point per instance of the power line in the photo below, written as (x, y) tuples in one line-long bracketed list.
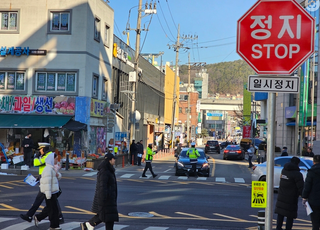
[(163, 29), (165, 19), (217, 40), (225, 44), (145, 37), (118, 30), (171, 15)]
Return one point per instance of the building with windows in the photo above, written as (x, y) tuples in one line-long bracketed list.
[(55, 68)]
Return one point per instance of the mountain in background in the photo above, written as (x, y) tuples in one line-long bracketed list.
[(224, 77)]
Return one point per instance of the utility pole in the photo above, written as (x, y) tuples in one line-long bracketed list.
[(136, 63), (188, 91), (175, 88)]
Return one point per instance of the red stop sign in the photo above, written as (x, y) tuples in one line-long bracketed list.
[(275, 36)]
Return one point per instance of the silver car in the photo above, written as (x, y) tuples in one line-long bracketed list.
[(260, 170)]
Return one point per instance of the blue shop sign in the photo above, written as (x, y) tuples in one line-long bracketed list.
[(18, 51)]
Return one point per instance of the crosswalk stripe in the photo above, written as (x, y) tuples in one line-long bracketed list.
[(90, 174), (196, 229), (127, 175), (155, 228), (24, 225), (182, 177), (115, 227), (70, 225), (239, 180), (164, 177), (3, 219), (202, 178), (220, 179)]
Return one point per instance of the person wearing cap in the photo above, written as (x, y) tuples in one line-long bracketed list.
[(193, 155), (105, 197), (149, 158), (290, 188), (40, 161), (284, 152)]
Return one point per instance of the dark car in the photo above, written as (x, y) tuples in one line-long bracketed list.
[(183, 164), (212, 147), (224, 144), (233, 152)]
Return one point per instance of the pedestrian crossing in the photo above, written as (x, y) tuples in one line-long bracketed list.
[(74, 225), (183, 178)]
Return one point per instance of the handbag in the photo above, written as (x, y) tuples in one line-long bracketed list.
[(60, 191)]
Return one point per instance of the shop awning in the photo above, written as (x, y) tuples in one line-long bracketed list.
[(293, 123), (75, 126), (32, 121)]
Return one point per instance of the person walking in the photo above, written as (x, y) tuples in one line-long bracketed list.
[(27, 145), (105, 197), (251, 151), (193, 155), (140, 152), (290, 188), (310, 153), (311, 192), (284, 152), (133, 152), (49, 186), (39, 160), (178, 150), (149, 157)]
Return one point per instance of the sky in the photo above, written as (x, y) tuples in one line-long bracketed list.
[(213, 22)]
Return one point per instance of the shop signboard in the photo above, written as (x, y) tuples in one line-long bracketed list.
[(99, 108), (50, 105)]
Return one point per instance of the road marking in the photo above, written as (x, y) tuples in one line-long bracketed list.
[(148, 176), (202, 178), (230, 217), (213, 167), (2, 219), (24, 225), (1, 185), (8, 207), (196, 229), (156, 228), (167, 170), (78, 209), (127, 175), (90, 174), (70, 225), (239, 180), (220, 179), (163, 177), (183, 177)]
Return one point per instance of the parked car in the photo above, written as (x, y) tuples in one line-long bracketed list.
[(233, 152), (183, 165), (212, 147), (260, 170)]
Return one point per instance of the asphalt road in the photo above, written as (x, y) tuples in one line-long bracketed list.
[(167, 202)]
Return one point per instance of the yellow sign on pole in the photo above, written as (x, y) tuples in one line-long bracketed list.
[(259, 194)]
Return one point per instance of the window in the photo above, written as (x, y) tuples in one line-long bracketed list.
[(281, 162), (9, 21), (105, 89), (97, 29), (180, 109), (56, 82), (106, 35), (95, 82), (12, 81), (60, 22), (186, 110)]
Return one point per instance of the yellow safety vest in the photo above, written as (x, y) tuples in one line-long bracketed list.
[(41, 162), (194, 154), (149, 155)]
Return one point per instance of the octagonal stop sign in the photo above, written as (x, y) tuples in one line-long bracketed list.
[(275, 36)]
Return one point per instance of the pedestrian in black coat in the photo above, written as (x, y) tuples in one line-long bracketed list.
[(291, 186), (105, 197), (140, 152), (311, 192), (133, 152)]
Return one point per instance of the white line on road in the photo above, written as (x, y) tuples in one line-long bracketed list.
[(239, 180), (127, 175), (115, 227), (183, 177), (202, 178), (220, 179), (24, 225), (167, 170), (156, 228), (90, 174), (164, 177)]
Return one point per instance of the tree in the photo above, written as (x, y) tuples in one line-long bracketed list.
[(204, 132)]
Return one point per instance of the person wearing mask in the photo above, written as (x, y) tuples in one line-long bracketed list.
[(49, 186), (193, 155), (149, 157), (140, 152), (105, 197), (284, 152), (27, 145), (310, 153), (39, 160), (290, 188), (311, 192), (133, 152), (251, 152)]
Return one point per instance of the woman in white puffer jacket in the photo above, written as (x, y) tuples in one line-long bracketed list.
[(49, 185)]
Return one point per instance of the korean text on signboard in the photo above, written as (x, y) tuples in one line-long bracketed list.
[(259, 194), (18, 51), (37, 104), (273, 84), (99, 108)]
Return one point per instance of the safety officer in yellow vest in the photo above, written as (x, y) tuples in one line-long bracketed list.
[(193, 155), (149, 157), (39, 160)]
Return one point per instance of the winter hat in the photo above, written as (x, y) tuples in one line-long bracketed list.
[(50, 159)]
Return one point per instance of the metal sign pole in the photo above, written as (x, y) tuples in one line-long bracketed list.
[(270, 159)]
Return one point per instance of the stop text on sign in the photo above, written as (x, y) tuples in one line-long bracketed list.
[(275, 36)]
